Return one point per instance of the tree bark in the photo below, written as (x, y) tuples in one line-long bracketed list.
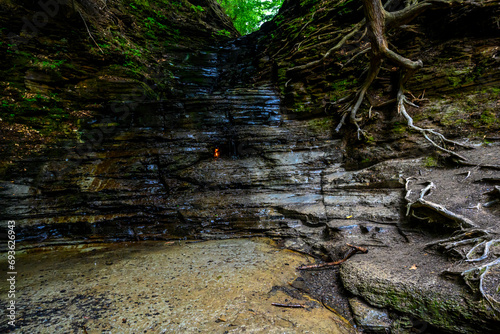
[(375, 16)]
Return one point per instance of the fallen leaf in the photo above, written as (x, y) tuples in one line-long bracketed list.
[(414, 267)]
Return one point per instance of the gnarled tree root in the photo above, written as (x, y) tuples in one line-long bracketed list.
[(477, 277), (482, 241), (378, 20), (491, 295), (462, 221)]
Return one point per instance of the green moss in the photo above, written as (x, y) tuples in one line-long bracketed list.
[(341, 88), (488, 117), (430, 162), (399, 128), (321, 124), (454, 81), (370, 140), (491, 90), (48, 64)]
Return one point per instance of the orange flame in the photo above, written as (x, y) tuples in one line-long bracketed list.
[(216, 153)]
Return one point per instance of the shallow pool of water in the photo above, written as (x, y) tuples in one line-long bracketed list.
[(225, 286)]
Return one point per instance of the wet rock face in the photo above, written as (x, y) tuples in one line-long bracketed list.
[(215, 161), (218, 160)]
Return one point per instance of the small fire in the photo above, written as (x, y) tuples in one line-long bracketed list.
[(216, 153)]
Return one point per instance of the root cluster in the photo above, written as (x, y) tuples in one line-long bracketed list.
[(484, 278)]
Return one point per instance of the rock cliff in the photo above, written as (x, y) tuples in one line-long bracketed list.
[(122, 121)]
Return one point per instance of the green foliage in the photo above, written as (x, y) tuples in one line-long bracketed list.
[(48, 64), (248, 15), (224, 32), (197, 8)]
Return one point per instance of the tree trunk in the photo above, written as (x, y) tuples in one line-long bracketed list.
[(375, 16)]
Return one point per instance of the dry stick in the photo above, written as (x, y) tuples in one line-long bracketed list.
[(352, 250), (359, 249), (288, 305)]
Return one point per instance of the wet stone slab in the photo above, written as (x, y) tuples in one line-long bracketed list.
[(225, 286)]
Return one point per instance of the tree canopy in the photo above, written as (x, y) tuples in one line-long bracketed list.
[(248, 15)]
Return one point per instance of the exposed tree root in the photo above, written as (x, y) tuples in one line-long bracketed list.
[(492, 296), (495, 195), (476, 278), (463, 237), (88, 30), (486, 251), (293, 39), (481, 240), (462, 221), (378, 20), (351, 32), (355, 56), (311, 40), (426, 132)]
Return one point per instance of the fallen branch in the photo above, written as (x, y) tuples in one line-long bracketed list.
[(352, 250), (289, 305)]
